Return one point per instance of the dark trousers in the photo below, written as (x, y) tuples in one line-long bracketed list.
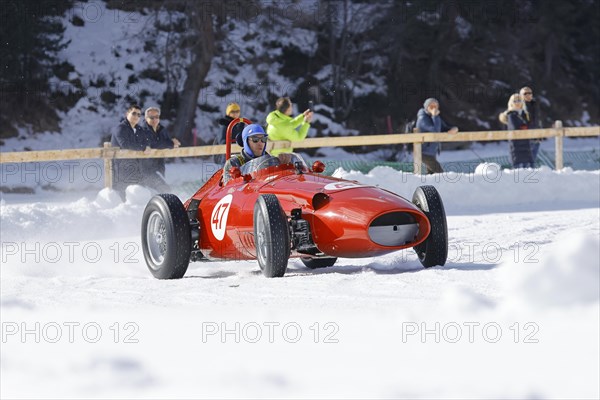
[(432, 164), (535, 148), (521, 154), (138, 172), (154, 180)]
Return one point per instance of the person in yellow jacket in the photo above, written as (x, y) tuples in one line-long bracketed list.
[(283, 129)]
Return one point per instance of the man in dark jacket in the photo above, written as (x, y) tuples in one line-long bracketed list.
[(532, 108), (429, 120), (129, 135), (153, 169)]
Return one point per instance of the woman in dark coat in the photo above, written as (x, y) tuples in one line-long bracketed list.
[(231, 112), (517, 118)]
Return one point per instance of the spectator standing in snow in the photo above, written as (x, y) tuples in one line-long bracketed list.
[(516, 118), (129, 135), (532, 108), (283, 129), (232, 112), (153, 169), (429, 120)]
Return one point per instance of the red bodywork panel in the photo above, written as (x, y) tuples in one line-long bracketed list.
[(339, 212)]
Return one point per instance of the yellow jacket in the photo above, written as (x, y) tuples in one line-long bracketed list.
[(285, 129)]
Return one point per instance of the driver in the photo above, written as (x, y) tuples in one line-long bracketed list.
[(254, 140)]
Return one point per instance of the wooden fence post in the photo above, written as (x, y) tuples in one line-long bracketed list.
[(417, 158), (108, 167), (558, 145)]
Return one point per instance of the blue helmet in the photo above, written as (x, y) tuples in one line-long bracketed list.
[(251, 130)]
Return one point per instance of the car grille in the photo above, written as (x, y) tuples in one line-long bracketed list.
[(394, 229)]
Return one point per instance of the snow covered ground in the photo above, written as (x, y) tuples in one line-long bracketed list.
[(515, 313)]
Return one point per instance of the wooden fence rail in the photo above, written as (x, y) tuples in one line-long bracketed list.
[(417, 139)]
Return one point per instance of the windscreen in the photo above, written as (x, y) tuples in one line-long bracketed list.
[(267, 161)]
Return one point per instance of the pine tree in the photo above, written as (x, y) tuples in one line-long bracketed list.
[(31, 37)]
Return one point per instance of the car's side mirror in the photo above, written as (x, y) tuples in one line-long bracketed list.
[(318, 166), (235, 172)]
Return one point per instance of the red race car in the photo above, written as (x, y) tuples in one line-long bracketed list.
[(271, 212)]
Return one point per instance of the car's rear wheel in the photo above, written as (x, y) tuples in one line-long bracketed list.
[(166, 237), (314, 263), (271, 236), (434, 250)]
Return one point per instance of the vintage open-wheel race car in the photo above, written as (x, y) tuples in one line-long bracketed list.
[(271, 212)]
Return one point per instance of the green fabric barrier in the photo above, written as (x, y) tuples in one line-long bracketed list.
[(577, 160)]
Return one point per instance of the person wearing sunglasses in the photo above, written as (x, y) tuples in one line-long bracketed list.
[(254, 142), (160, 139), (128, 135), (517, 118), (153, 169), (232, 111), (532, 108)]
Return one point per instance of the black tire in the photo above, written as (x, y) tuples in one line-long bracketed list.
[(271, 236), (434, 250), (314, 263), (166, 237)]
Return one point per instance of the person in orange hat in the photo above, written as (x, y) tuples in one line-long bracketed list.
[(232, 112)]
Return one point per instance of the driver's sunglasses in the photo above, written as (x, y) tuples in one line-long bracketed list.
[(259, 139)]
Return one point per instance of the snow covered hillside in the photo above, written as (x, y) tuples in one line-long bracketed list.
[(114, 66), (513, 314)]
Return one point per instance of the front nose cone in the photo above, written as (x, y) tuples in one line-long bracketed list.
[(394, 229)]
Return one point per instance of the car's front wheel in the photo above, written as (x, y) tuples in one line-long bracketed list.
[(434, 250), (271, 236), (166, 237)]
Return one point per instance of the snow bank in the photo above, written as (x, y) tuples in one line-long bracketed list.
[(489, 189), (566, 274), (107, 198), (107, 216), (137, 195)]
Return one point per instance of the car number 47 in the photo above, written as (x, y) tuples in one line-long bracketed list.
[(218, 219)]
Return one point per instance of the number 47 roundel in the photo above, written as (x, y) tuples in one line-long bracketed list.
[(218, 218)]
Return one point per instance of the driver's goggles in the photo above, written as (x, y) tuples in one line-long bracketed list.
[(259, 139)]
